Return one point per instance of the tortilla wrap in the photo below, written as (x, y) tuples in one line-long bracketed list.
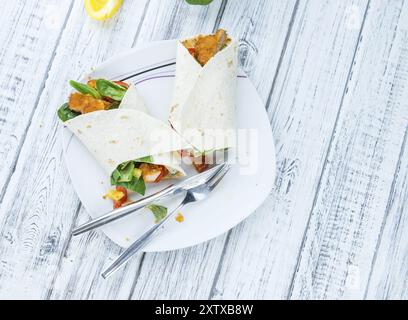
[(203, 106), (128, 133)]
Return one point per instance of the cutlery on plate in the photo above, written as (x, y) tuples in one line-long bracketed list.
[(194, 194), (165, 193)]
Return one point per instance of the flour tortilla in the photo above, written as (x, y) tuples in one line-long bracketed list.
[(128, 133), (203, 105), (132, 100)]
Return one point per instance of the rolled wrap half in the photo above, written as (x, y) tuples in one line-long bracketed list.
[(203, 105), (128, 134)]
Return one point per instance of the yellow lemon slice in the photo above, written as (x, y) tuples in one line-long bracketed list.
[(102, 9)]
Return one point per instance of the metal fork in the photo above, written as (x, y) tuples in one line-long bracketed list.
[(171, 190), (196, 194)]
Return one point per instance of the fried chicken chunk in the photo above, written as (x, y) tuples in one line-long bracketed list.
[(203, 48), (84, 103), (153, 172)]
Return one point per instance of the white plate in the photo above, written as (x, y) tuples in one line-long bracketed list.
[(151, 69)]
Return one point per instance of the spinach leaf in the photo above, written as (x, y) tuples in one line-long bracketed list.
[(126, 171), (65, 113), (114, 105), (123, 176), (199, 2), (159, 212), (85, 89), (135, 185), (110, 89)]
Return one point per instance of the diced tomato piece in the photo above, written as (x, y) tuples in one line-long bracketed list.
[(201, 167), (164, 172), (192, 51), (121, 83), (200, 164), (119, 203), (108, 99), (184, 153)]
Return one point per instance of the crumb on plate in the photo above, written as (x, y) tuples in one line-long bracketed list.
[(180, 218)]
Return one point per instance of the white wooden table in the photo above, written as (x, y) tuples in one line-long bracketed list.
[(333, 75)]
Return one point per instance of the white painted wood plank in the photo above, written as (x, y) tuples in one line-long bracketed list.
[(176, 19), (183, 274), (262, 30), (348, 214), (28, 35), (189, 274), (39, 205), (389, 276), (79, 275), (261, 255)]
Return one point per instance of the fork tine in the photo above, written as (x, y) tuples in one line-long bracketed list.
[(212, 183)]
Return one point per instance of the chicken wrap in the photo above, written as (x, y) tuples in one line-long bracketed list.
[(133, 147), (203, 105)]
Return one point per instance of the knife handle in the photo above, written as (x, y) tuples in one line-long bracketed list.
[(124, 211)]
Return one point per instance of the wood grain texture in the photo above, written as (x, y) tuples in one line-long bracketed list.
[(83, 261), (29, 33), (189, 274), (262, 253), (333, 74), (389, 274), (350, 205), (40, 206), (176, 19)]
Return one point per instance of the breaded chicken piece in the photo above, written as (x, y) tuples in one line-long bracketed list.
[(153, 172), (203, 48), (84, 103)]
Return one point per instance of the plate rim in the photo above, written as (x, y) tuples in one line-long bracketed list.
[(228, 226)]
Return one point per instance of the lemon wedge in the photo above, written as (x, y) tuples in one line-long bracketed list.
[(102, 9)]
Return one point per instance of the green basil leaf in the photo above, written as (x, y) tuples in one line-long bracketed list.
[(110, 89), (65, 113), (199, 2), (159, 212), (85, 89)]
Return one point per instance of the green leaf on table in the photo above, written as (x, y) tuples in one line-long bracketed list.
[(65, 113), (199, 2), (85, 89), (110, 89), (159, 212)]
